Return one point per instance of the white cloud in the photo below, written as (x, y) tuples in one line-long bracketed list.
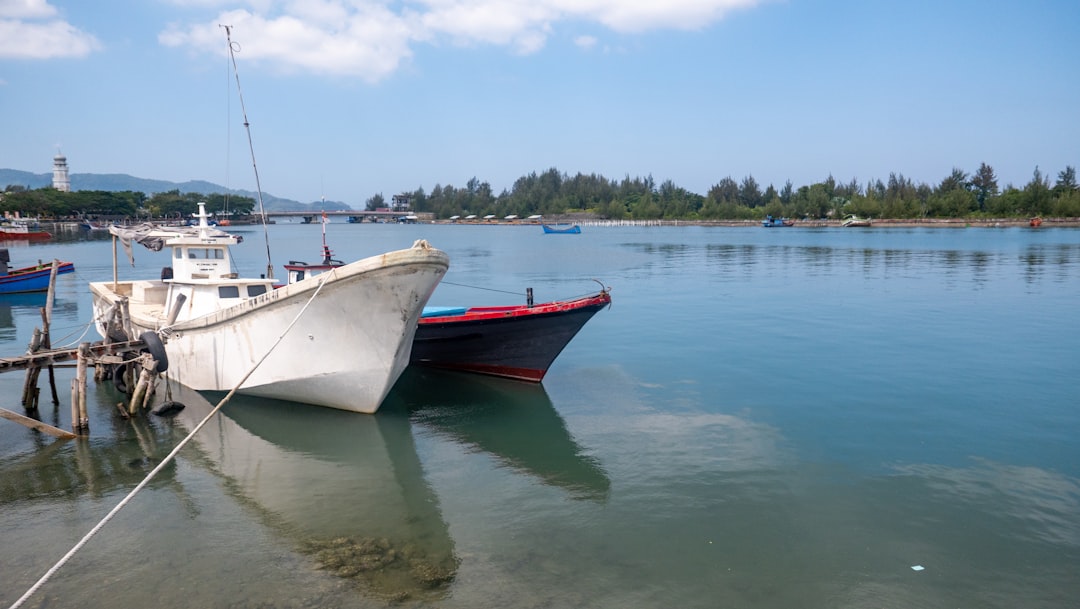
[(369, 42), (29, 29), (586, 42), (643, 15), (371, 38), (25, 9)]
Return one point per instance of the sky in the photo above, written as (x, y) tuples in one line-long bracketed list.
[(350, 98)]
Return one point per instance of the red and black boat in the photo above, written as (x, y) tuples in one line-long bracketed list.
[(518, 341)]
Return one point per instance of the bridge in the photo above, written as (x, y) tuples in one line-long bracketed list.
[(355, 216)]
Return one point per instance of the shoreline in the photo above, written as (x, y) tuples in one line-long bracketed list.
[(884, 222)]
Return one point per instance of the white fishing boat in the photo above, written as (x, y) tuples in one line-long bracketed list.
[(301, 342)]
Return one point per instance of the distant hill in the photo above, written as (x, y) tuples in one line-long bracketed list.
[(116, 182)]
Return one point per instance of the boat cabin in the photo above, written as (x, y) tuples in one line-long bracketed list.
[(298, 271), (200, 279)]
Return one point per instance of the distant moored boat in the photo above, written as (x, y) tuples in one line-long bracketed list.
[(562, 230)]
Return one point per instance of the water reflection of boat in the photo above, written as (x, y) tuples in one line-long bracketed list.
[(9, 303), (29, 305), (514, 422), (348, 490)]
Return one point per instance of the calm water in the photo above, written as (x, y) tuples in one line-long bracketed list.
[(763, 418)]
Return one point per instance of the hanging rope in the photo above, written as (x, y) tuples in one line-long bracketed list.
[(168, 458)]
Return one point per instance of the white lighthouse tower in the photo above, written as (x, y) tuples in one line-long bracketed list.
[(60, 180)]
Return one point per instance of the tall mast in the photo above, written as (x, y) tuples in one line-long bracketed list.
[(233, 47)]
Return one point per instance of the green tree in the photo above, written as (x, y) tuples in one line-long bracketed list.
[(957, 180), (1066, 180), (985, 184), (750, 192), (374, 202), (1038, 199), (725, 191)]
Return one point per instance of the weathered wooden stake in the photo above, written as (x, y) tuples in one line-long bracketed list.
[(75, 399), (151, 383), (84, 357), (47, 320), (114, 264), (140, 390), (30, 382)]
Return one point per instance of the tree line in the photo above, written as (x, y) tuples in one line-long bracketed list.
[(51, 203), (958, 195), (553, 193)]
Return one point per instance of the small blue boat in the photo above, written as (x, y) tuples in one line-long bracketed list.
[(562, 230), (771, 222), (27, 279)]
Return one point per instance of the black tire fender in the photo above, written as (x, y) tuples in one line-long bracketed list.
[(156, 348), (119, 378)]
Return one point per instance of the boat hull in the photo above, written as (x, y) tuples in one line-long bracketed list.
[(855, 222), (567, 230), (31, 279), (514, 342), (9, 235), (350, 341)]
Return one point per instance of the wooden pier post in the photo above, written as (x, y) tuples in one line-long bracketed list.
[(41, 340), (46, 316), (29, 395), (75, 391), (115, 282), (141, 395), (80, 377)]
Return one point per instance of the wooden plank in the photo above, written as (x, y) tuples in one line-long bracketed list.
[(51, 357), (36, 424)]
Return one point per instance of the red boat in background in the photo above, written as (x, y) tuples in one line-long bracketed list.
[(518, 342), (11, 230)]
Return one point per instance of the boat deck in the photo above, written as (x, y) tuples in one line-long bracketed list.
[(146, 299)]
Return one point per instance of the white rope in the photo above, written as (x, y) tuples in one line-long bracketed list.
[(82, 542), (77, 341)]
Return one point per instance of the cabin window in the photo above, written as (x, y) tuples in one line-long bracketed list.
[(207, 254), (177, 253), (256, 290), (228, 291)]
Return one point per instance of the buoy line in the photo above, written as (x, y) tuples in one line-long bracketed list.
[(127, 499)]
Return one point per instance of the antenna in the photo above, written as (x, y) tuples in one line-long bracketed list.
[(233, 47)]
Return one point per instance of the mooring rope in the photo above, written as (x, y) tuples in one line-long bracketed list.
[(77, 341), (82, 542), (476, 287)]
